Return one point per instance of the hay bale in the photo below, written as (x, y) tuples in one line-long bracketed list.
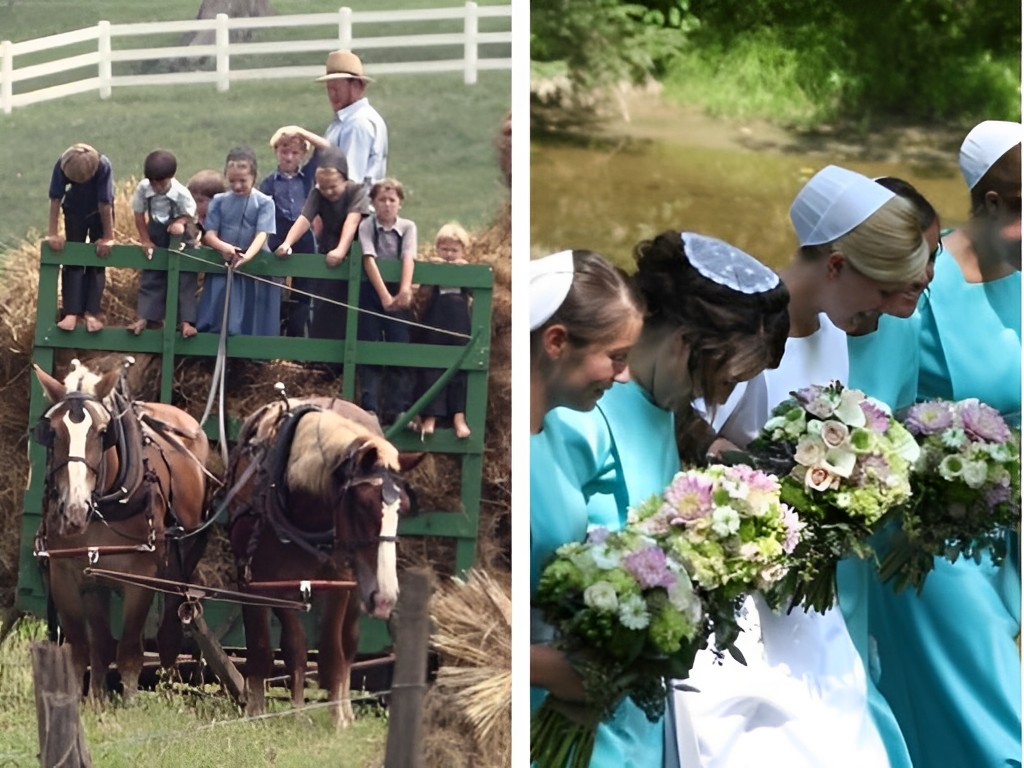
[(468, 709)]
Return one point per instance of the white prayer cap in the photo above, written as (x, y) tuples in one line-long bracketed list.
[(833, 202), (984, 145), (550, 281)]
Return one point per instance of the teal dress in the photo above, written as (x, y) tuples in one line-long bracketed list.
[(558, 514), (949, 663), (622, 451)]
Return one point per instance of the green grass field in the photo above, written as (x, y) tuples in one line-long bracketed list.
[(441, 131), (186, 726)]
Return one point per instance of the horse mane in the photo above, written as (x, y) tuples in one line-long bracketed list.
[(82, 379), (322, 441)]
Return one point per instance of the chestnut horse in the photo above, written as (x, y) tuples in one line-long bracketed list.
[(316, 496), (128, 479)]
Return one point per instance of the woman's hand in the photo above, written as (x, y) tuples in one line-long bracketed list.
[(549, 668)]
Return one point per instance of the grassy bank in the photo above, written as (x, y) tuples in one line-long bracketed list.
[(186, 726), (441, 131)]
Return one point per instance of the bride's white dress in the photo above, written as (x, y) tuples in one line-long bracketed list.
[(801, 700)]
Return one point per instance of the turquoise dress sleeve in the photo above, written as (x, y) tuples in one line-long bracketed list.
[(949, 663), (571, 462), (885, 364)]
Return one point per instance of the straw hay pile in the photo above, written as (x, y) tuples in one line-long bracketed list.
[(467, 709)]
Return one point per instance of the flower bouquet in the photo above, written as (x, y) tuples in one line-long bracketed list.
[(629, 607), (843, 462), (966, 489), (729, 527)]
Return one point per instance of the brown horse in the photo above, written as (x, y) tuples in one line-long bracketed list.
[(318, 499), (126, 478)]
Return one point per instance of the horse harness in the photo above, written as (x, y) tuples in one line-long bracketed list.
[(129, 493), (270, 506)]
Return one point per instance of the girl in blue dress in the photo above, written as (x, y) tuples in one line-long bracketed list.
[(584, 317), (237, 225), (949, 660), (715, 316)]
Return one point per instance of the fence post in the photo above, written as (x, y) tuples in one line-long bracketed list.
[(345, 28), (58, 691), (411, 620), (222, 42), (6, 76), (103, 47), (472, 46)]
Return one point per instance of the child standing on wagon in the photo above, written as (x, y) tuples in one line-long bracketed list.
[(237, 225), (447, 309), (82, 186), (289, 186), (340, 204), (204, 185), (163, 207), (385, 236)]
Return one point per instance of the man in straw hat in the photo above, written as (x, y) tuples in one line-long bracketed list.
[(358, 130)]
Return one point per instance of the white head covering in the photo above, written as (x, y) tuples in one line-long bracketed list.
[(727, 265), (550, 281), (833, 202), (984, 145)]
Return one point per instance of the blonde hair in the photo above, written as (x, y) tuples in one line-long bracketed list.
[(452, 231), (288, 138), (886, 247), (79, 163)]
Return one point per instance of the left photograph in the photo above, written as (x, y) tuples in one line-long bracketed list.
[(257, 410)]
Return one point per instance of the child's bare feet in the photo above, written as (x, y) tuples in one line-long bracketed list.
[(188, 330), (462, 430), (137, 327), (68, 323), (93, 323), (427, 426)]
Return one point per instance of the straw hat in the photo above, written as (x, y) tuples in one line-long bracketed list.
[(985, 144), (344, 65), (833, 202)]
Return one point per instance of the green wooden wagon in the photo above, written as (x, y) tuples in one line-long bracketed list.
[(461, 525)]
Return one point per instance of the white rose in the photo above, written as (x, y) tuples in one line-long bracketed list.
[(974, 473), (834, 433), (601, 597), (820, 479), (810, 451)]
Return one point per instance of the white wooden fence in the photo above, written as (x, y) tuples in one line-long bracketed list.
[(221, 51)]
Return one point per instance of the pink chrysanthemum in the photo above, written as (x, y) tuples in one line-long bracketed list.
[(929, 418), (649, 567), (983, 422), (877, 420), (754, 478), (690, 495)]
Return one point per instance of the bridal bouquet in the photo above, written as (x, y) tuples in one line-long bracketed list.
[(633, 607), (843, 462), (627, 616), (729, 527), (966, 489)]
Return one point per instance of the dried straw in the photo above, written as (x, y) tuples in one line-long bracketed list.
[(468, 710)]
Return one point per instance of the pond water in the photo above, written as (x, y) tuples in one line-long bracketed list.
[(676, 169)]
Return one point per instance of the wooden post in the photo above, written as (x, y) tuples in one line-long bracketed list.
[(58, 692), (222, 666), (411, 621)]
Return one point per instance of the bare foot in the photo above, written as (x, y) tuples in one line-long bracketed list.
[(137, 327), (188, 330), (462, 430), (93, 323), (427, 425), (68, 323)]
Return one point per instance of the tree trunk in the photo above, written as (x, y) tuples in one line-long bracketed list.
[(233, 8)]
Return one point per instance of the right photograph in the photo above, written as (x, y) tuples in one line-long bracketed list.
[(775, 385)]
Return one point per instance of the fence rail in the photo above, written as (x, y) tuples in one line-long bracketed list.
[(216, 61)]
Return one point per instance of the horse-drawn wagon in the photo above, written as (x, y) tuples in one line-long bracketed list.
[(225, 618)]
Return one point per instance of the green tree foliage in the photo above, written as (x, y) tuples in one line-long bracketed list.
[(916, 59)]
